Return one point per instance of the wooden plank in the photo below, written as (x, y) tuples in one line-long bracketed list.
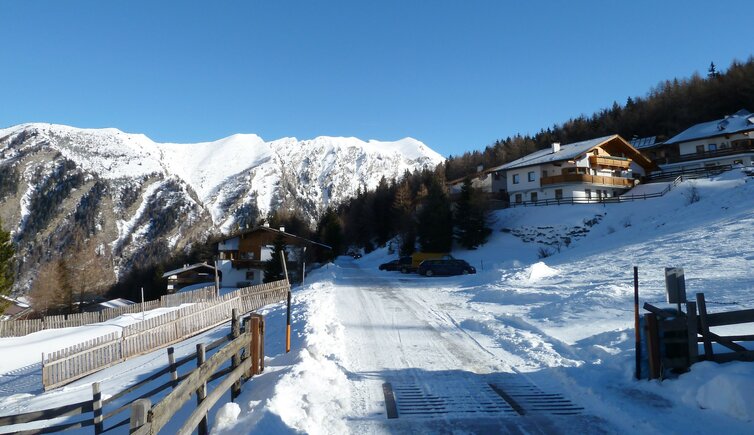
[(730, 318), (212, 398), (163, 411), (727, 342), (47, 414), (704, 326), (235, 328), (691, 325), (97, 407), (254, 345), (201, 392), (139, 414), (653, 346)]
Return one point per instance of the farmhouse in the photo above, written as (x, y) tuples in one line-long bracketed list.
[(727, 141), (242, 256), (586, 171), (190, 275)]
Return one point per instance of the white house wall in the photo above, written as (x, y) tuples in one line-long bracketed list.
[(690, 147), (233, 277)]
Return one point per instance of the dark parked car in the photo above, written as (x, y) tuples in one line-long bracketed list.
[(445, 267), (396, 264)]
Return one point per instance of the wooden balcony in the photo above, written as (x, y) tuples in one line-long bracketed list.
[(610, 162), (587, 179)]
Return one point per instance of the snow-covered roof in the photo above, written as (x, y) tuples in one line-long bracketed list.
[(116, 303), (274, 230), (644, 142), (187, 268), (741, 121), (566, 152)]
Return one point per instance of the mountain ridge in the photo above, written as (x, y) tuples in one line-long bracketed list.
[(164, 196)]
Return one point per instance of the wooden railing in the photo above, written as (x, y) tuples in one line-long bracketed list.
[(107, 414), (610, 162), (18, 328), (66, 365), (584, 178)]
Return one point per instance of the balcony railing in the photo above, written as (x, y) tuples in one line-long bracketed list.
[(610, 162), (710, 154), (584, 178)]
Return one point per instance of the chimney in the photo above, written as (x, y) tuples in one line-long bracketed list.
[(555, 147), (479, 168), (282, 229)]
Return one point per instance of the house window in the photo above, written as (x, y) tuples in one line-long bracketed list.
[(531, 176), (712, 147), (250, 275), (516, 178), (699, 149), (558, 193), (519, 198), (534, 196), (544, 173)]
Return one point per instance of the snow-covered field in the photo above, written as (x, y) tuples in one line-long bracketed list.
[(563, 323)]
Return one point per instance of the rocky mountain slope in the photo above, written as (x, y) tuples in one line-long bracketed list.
[(140, 199)]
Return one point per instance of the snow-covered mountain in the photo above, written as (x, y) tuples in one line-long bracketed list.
[(142, 198)]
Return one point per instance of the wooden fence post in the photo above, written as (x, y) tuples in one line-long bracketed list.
[(702, 305), (139, 414), (201, 393), (173, 368), (97, 407), (691, 325), (261, 343), (254, 345), (653, 345), (235, 328)]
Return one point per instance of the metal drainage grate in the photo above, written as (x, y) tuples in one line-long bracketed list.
[(472, 395)]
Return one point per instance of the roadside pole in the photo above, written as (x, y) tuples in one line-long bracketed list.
[(637, 337), (288, 307)]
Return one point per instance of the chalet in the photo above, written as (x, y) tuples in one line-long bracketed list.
[(727, 141), (190, 275), (243, 256), (591, 170), (488, 181)]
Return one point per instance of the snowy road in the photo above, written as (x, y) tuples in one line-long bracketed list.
[(442, 379)]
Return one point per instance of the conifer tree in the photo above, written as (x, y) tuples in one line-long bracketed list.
[(434, 228), (330, 233), (273, 268), (6, 264), (471, 218)]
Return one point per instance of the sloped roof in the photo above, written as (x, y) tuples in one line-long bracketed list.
[(644, 142), (274, 230), (740, 121), (567, 152), (187, 268)]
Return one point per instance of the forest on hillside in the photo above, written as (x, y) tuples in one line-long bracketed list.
[(401, 209), (667, 109)]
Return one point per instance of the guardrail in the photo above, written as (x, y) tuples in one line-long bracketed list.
[(66, 365)]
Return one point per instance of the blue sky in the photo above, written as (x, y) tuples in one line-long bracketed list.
[(456, 75)]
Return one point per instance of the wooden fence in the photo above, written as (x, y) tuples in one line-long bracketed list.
[(66, 365), (107, 414), (18, 328), (673, 337)]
